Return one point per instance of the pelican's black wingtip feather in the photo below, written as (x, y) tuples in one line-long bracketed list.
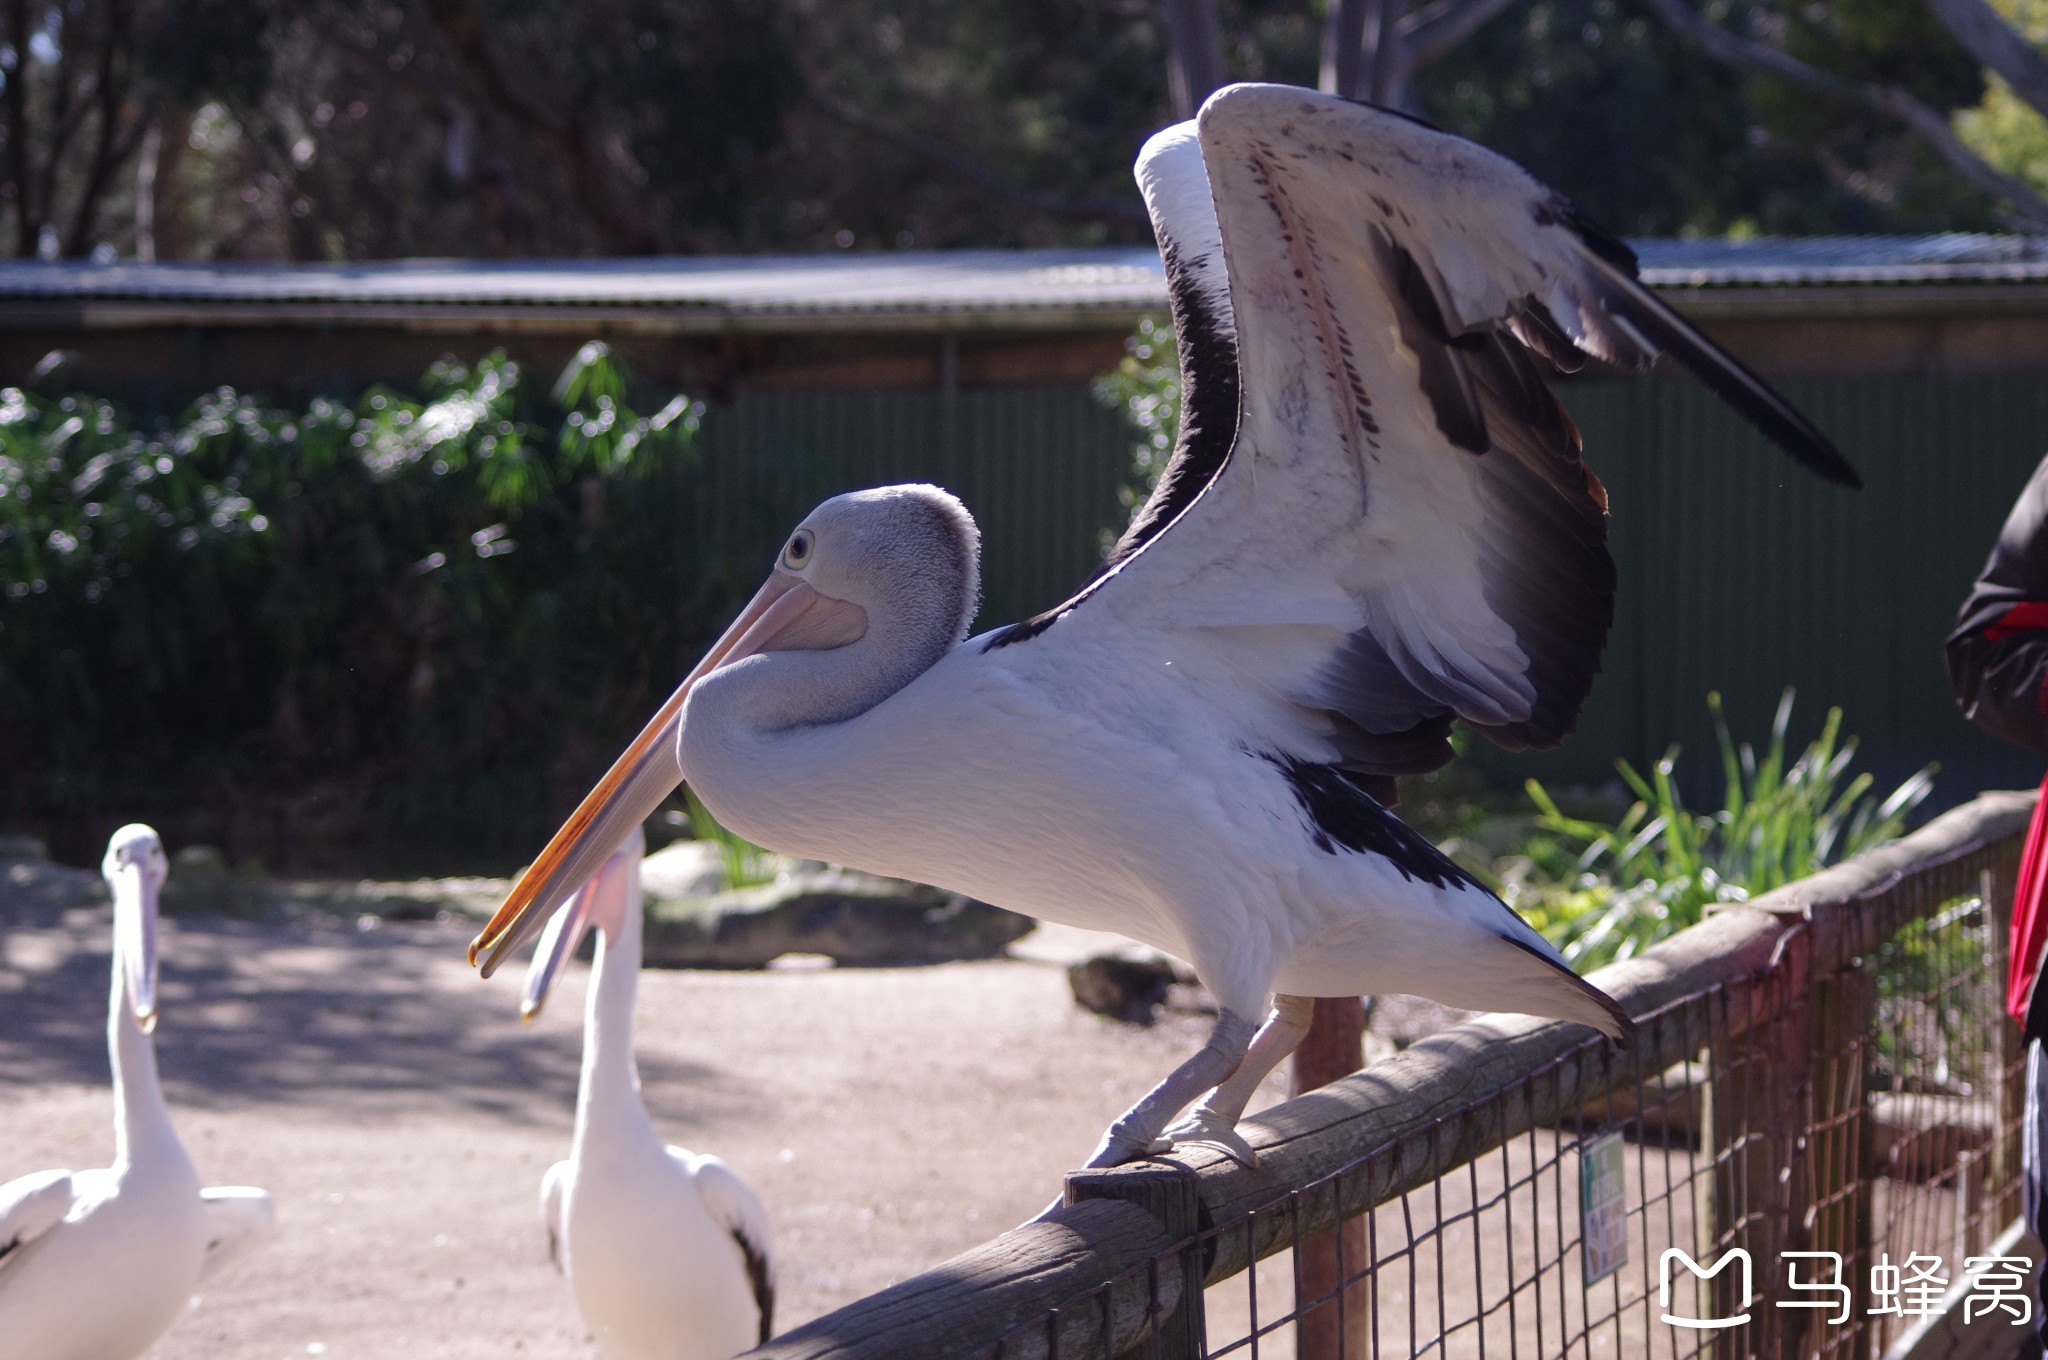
[(1751, 397), (1726, 377), (1598, 239)]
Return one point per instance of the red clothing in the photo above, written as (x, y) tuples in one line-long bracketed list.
[(2029, 921)]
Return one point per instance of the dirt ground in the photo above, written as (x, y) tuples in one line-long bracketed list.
[(401, 1117)]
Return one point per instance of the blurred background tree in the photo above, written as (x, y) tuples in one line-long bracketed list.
[(355, 129)]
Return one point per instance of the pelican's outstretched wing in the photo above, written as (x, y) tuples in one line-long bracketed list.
[(30, 1206), (1377, 511), (739, 1209), (237, 1218)]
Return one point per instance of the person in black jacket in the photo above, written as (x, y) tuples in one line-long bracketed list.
[(1998, 653), (1998, 664)]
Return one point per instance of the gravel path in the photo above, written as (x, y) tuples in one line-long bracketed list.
[(392, 1104)]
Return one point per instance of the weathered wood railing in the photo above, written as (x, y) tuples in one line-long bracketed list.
[(1777, 976)]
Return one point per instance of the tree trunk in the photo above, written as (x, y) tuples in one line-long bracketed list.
[(1194, 41)]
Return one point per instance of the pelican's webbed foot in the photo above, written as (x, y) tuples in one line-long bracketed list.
[(1213, 1123), (1204, 1127), (1134, 1133)]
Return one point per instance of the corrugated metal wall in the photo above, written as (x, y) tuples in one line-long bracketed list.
[(1039, 468), (1739, 572)]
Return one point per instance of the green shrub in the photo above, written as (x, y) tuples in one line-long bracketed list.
[(1145, 386), (424, 617), (1602, 891), (746, 864)]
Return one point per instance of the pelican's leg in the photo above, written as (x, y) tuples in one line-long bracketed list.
[(1134, 1133), (1213, 1123)]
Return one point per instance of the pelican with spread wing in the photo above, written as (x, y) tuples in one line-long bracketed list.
[(1376, 522)]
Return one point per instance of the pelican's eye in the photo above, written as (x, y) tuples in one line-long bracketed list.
[(798, 554)]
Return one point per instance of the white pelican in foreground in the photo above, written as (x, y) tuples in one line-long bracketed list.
[(666, 1251), (1376, 521), (95, 1265)]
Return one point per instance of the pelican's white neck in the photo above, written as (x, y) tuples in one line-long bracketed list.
[(773, 691), (608, 1108), (142, 1119)]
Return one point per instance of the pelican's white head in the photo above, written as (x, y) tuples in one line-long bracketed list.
[(890, 578), (135, 868), (909, 552), (604, 903)]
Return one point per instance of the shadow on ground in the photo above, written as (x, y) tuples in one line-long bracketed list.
[(263, 1012)]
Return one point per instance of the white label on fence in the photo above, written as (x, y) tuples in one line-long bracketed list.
[(1603, 1206)]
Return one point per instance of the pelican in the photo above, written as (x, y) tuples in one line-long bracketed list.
[(95, 1265), (1375, 521), (665, 1250)]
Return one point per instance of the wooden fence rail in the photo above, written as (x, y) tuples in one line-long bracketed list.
[(1129, 1250)]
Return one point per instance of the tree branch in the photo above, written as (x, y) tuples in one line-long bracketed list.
[(1429, 32), (1990, 39), (66, 117), (1886, 100), (965, 167), (617, 210), (113, 145)]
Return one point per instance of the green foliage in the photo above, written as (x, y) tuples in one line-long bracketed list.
[(746, 864), (1939, 1003), (1145, 386), (2008, 132), (420, 614), (1602, 891), (2003, 128), (1650, 136)]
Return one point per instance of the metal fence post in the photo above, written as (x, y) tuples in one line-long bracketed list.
[(1170, 1194)]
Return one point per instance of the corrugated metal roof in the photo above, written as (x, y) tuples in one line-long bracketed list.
[(911, 281), (1767, 261), (1018, 285)]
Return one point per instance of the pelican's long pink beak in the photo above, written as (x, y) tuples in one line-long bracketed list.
[(785, 615), (557, 942), (135, 908)]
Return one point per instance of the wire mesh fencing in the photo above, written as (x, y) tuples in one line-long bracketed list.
[(1811, 1149)]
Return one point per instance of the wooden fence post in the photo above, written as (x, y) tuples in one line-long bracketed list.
[(1995, 888), (1842, 1143), (1170, 1194), (1335, 1330), (1760, 1081)]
